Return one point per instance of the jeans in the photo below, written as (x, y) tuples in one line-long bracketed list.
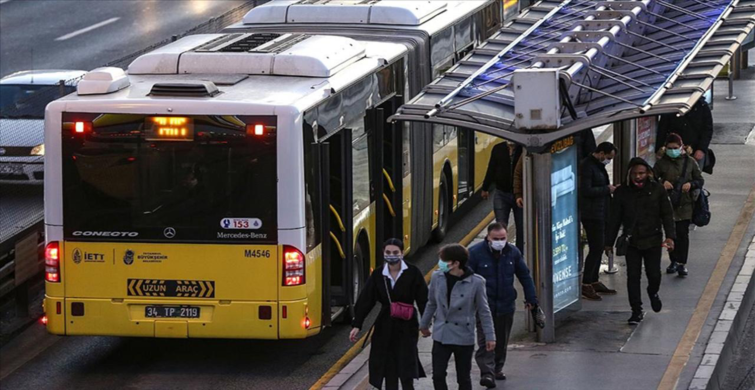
[(681, 244), (491, 362), (442, 354), (652, 259), (503, 204), (595, 230)]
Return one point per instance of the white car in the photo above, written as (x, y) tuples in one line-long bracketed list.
[(23, 98)]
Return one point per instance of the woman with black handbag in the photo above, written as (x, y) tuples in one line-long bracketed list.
[(397, 286), (681, 177)]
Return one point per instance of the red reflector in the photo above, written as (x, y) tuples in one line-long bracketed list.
[(266, 312), (82, 127), (43, 320), (58, 308), (307, 323), (53, 277), (284, 312)]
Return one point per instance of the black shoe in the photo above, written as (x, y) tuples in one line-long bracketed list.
[(655, 303), (487, 381), (636, 317), (682, 270), (671, 268), (500, 376)]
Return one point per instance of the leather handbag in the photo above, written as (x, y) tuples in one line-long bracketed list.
[(622, 244), (400, 310)]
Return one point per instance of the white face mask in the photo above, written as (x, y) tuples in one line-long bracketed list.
[(498, 245)]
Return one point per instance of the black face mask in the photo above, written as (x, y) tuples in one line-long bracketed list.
[(393, 259)]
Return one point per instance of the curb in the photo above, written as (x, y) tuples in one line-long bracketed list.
[(729, 327)]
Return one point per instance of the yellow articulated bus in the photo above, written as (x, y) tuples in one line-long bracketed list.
[(238, 185)]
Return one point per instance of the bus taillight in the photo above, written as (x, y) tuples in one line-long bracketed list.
[(52, 262), (293, 266)]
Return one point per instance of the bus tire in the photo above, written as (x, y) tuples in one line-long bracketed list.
[(357, 279), (444, 210)]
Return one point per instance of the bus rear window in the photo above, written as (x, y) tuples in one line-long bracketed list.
[(169, 179)]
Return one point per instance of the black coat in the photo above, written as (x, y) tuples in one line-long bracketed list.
[(644, 210), (500, 168), (594, 194), (391, 332), (695, 127)]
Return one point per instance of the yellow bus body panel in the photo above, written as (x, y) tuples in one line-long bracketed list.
[(115, 282)]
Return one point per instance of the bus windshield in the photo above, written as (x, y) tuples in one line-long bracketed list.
[(143, 178)]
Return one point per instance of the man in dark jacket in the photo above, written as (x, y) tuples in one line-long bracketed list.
[(503, 160), (695, 128), (595, 191), (642, 208), (498, 262)]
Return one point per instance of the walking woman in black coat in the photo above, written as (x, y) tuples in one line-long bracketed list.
[(394, 354)]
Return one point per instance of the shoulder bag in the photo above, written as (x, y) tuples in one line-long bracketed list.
[(400, 310)]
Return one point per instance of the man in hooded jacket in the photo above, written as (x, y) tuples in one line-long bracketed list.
[(642, 208)]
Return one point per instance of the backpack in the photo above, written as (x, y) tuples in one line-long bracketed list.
[(701, 211)]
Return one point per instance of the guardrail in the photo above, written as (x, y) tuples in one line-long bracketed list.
[(21, 261)]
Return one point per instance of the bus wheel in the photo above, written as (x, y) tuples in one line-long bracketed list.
[(357, 281), (444, 213)]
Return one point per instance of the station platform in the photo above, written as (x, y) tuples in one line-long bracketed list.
[(675, 349)]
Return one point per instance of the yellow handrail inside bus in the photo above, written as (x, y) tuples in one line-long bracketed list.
[(338, 245), (338, 218), (390, 206), (390, 182)]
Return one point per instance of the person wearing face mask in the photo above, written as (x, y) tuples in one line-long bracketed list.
[(394, 356), (496, 260), (457, 296), (641, 208), (681, 177), (595, 191)]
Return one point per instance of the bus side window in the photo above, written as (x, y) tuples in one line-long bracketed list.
[(406, 147), (463, 38), (491, 20), (442, 51), (360, 155), (312, 188)]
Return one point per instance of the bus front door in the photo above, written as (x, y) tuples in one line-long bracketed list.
[(337, 198)]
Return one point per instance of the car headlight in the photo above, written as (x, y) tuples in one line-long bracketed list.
[(38, 150)]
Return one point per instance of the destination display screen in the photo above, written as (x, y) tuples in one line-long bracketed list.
[(169, 128)]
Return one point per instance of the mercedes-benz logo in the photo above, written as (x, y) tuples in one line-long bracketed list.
[(169, 232), (2, 151)]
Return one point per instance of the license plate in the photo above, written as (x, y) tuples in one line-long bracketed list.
[(171, 312), (11, 169)]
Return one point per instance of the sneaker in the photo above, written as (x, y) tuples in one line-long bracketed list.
[(500, 376), (655, 303), (682, 270), (588, 292), (487, 381), (636, 317), (601, 288), (672, 268)]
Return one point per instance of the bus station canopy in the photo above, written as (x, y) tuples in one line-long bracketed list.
[(614, 60)]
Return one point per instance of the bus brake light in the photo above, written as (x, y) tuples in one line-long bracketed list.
[(52, 262), (293, 266), (255, 130), (82, 127)]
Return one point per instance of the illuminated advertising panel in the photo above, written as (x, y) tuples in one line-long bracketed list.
[(564, 224)]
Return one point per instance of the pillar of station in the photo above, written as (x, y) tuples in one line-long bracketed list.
[(552, 231)]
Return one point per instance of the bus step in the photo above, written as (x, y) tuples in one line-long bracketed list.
[(336, 312)]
